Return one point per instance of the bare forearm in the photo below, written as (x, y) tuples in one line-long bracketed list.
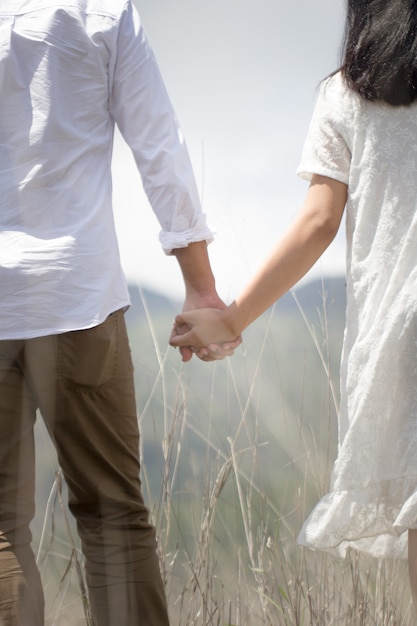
[(195, 266), (288, 263), (305, 241), (293, 256)]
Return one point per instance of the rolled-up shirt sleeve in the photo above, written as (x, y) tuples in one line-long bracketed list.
[(144, 114)]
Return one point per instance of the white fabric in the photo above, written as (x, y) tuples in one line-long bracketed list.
[(373, 148), (68, 72)]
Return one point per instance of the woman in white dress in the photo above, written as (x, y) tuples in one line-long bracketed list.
[(360, 156)]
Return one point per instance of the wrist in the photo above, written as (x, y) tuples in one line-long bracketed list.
[(205, 292), (202, 299), (199, 282), (232, 321)]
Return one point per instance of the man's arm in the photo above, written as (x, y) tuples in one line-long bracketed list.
[(140, 105), (200, 290), (198, 276)]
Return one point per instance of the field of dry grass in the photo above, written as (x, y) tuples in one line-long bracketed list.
[(231, 468)]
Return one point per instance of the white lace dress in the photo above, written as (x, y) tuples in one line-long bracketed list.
[(372, 147)]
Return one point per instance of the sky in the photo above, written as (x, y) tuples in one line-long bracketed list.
[(242, 76)]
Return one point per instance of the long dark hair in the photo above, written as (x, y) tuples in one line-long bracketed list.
[(380, 49)]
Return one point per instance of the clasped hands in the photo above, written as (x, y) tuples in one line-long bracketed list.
[(205, 333)]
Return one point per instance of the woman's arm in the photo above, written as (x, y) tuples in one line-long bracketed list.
[(295, 253)]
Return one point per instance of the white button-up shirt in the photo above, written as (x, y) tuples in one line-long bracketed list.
[(70, 71)]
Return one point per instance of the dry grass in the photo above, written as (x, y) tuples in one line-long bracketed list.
[(228, 515)]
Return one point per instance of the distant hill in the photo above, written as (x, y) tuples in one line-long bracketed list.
[(156, 303), (310, 297)]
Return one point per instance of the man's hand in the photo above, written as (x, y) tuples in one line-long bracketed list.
[(210, 352), (200, 293), (204, 332)]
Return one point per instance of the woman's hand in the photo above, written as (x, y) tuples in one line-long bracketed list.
[(206, 332)]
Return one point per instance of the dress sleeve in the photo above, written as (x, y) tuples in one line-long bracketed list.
[(140, 106), (326, 151)]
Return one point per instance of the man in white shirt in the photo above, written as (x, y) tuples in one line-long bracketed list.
[(70, 71)]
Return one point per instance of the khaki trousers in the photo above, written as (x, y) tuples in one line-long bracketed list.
[(82, 382)]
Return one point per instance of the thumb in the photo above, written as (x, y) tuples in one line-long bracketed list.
[(181, 319), (179, 338)]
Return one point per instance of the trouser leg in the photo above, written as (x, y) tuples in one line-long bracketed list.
[(93, 422), (21, 596)]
